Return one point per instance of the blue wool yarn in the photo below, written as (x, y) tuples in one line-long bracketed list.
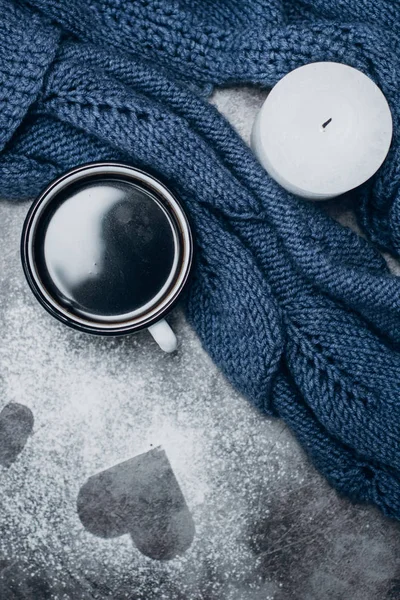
[(300, 313)]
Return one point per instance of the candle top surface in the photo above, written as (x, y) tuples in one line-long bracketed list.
[(324, 129)]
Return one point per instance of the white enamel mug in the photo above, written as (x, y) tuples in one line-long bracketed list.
[(107, 249)]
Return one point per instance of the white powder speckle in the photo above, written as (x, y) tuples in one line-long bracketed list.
[(100, 401)]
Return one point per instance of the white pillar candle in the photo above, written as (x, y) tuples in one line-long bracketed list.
[(323, 130)]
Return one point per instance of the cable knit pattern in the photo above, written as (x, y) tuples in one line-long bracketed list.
[(27, 47), (300, 313)]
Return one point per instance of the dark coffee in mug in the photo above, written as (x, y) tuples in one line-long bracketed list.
[(107, 249)]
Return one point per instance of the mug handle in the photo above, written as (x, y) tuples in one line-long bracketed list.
[(164, 336)]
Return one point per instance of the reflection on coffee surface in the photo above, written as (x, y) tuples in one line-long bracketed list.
[(106, 249)]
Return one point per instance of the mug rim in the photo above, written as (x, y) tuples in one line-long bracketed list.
[(176, 213)]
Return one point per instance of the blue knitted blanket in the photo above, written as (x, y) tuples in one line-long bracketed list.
[(300, 313)]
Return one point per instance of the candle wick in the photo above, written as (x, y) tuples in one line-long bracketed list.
[(326, 123)]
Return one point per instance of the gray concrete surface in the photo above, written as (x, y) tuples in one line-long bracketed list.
[(113, 427)]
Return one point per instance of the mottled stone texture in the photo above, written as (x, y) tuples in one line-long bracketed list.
[(241, 514)]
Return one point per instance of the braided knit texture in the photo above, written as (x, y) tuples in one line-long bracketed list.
[(300, 313)]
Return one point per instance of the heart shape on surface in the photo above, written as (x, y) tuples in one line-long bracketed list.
[(142, 497), (16, 425)]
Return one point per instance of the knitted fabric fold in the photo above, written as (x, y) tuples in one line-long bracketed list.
[(300, 313), (27, 47), (258, 42)]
